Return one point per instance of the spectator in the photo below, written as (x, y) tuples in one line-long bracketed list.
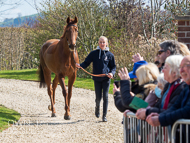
[(103, 63), (181, 108), (171, 90), (146, 75), (155, 94), (184, 50), (135, 88), (167, 48), (156, 61)]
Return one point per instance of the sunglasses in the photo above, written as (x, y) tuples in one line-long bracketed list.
[(160, 52)]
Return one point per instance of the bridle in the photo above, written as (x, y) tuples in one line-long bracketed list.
[(66, 37)]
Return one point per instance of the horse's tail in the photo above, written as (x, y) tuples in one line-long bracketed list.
[(41, 77)]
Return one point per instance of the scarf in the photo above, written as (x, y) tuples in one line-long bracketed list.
[(171, 90)]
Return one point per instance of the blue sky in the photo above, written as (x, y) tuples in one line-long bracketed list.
[(25, 7)]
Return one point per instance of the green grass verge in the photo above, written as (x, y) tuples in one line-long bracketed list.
[(7, 117), (31, 74)]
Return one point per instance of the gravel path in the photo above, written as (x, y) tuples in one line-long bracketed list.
[(36, 125)]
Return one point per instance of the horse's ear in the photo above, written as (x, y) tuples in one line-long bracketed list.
[(68, 19), (76, 19)]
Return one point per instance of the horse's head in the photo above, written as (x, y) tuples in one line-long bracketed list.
[(71, 32)]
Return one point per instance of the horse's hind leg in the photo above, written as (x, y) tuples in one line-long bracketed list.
[(55, 83), (47, 76)]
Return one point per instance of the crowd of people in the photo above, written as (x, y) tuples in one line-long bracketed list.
[(169, 100)]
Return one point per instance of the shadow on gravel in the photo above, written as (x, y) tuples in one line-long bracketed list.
[(40, 123)]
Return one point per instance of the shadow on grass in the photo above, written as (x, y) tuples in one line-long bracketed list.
[(9, 116)]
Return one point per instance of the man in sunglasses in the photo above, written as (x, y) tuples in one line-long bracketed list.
[(167, 48)]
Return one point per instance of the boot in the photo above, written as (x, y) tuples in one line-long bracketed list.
[(105, 107), (104, 118), (97, 111)]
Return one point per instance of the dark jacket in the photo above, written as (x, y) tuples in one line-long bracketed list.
[(123, 98), (103, 63), (177, 110), (172, 100)]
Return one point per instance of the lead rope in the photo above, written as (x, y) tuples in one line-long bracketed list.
[(97, 75)]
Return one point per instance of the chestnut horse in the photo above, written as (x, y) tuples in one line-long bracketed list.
[(60, 57)]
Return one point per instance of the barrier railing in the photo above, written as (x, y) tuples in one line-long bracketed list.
[(137, 131), (178, 126)]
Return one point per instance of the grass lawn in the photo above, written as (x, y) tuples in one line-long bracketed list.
[(7, 117)]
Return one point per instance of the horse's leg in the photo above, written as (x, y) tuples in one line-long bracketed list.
[(70, 86), (55, 83), (65, 94), (47, 77)]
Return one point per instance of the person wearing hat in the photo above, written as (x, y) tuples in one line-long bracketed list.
[(135, 88), (146, 75)]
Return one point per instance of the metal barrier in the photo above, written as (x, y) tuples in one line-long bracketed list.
[(137, 131), (179, 125)]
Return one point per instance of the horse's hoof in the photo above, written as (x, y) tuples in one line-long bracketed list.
[(49, 107), (53, 115), (67, 117)]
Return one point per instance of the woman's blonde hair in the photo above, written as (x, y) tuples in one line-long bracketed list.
[(105, 38), (147, 73), (184, 50)]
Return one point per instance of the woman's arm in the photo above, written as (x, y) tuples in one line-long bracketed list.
[(87, 61)]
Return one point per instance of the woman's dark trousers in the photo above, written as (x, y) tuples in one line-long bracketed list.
[(99, 87)]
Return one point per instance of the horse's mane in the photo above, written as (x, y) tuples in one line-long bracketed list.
[(72, 21)]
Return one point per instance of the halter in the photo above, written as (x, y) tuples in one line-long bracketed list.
[(67, 39)]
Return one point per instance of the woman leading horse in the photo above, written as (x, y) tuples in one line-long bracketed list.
[(60, 57)]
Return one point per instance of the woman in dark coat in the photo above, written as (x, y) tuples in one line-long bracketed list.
[(103, 63), (146, 75)]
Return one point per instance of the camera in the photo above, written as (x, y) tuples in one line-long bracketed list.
[(117, 83)]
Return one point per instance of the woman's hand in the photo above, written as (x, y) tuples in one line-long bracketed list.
[(141, 114), (78, 65), (137, 58), (115, 88), (153, 119), (132, 94), (123, 74), (110, 75), (125, 113)]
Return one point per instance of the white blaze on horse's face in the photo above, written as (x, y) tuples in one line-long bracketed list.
[(72, 34)]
